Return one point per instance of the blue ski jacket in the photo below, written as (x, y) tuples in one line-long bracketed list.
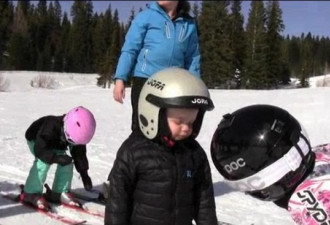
[(155, 42)]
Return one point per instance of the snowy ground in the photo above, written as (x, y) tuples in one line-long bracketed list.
[(22, 104)]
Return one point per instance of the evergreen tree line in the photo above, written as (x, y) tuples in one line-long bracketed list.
[(234, 55)]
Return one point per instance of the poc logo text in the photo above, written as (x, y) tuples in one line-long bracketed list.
[(235, 165)]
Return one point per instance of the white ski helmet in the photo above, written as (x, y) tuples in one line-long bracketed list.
[(171, 88)]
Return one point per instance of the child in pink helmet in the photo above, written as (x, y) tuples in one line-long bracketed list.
[(48, 139)]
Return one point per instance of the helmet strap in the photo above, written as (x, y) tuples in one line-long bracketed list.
[(198, 123), (302, 155), (164, 133)]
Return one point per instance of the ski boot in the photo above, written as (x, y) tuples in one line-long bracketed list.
[(36, 200), (66, 198)]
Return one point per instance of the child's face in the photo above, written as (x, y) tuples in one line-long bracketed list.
[(180, 122)]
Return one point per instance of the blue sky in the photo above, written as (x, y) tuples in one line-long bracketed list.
[(298, 16)]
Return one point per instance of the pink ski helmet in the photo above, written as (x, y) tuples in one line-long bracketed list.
[(79, 126)]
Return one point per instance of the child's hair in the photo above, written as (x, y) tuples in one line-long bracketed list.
[(183, 8), (262, 150), (171, 88)]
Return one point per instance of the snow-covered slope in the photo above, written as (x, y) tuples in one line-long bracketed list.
[(22, 104)]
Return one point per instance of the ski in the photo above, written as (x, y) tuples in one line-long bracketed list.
[(223, 223), (50, 214), (83, 209), (99, 199)]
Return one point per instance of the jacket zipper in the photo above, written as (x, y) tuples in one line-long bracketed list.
[(144, 65), (182, 32), (168, 36), (167, 30)]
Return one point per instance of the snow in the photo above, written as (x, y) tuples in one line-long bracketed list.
[(22, 104)]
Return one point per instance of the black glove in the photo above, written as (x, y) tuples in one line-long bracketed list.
[(63, 160), (86, 181)]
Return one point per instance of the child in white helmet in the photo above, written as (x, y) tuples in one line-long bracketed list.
[(48, 139), (161, 174)]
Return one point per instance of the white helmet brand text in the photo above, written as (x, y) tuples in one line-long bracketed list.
[(201, 101), (156, 84)]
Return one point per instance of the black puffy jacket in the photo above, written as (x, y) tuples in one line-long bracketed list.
[(48, 136), (151, 184)]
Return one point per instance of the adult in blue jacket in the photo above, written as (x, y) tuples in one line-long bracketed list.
[(161, 36)]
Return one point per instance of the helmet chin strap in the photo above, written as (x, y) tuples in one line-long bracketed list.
[(198, 123), (164, 133)]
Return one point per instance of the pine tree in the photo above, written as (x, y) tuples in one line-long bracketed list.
[(306, 59), (294, 55), (108, 25), (274, 58), (55, 17), (80, 46), (107, 29), (284, 76), (42, 37), (6, 19), (112, 54), (238, 42), (62, 54), (216, 53), (324, 55), (254, 74), (18, 45), (99, 43)]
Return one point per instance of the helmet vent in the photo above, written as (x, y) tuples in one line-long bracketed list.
[(144, 120)]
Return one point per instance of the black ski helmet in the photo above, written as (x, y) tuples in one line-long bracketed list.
[(261, 150)]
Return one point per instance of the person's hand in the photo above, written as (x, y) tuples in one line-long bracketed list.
[(119, 91), (63, 160)]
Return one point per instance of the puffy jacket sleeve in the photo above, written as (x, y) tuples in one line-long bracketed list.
[(132, 46), (121, 185), (192, 57), (78, 153), (205, 213)]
